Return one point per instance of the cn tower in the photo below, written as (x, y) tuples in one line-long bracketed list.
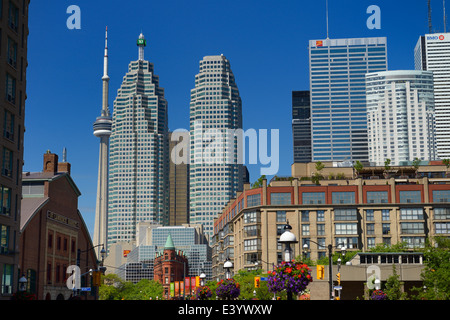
[(102, 129)]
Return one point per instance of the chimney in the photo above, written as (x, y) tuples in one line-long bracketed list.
[(64, 167), (50, 162)]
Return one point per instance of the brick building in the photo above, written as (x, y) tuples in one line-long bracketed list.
[(361, 210), (170, 266), (52, 230)]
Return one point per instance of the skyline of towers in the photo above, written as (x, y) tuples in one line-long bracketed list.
[(338, 98), (215, 106), (301, 126), (138, 175), (102, 129), (400, 116)]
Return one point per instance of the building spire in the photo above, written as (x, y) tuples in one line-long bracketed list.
[(105, 78), (141, 43)]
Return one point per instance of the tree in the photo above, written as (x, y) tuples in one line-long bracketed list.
[(114, 288), (436, 274), (317, 176), (387, 167), (393, 286), (446, 163), (358, 166), (416, 163), (258, 183), (111, 287)]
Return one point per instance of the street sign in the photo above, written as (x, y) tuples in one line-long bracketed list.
[(263, 278), (85, 288), (337, 287)]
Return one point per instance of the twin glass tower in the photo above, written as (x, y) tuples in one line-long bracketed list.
[(134, 186)]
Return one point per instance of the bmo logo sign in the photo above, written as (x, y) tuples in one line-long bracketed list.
[(441, 37)]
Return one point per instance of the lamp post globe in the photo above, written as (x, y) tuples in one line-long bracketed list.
[(288, 238), (227, 266)]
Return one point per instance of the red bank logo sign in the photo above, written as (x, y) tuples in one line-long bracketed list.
[(441, 37), (319, 43)]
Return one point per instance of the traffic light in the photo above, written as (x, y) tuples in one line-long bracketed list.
[(338, 276), (96, 278), (320, 272), (257, 282)]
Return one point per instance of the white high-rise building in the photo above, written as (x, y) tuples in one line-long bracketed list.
[(432, 53), (215, 107), (400, 116), (139, 155)]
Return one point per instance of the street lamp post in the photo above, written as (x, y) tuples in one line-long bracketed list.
[(288, 238), (23, 283), (227, 266), (102, 269)]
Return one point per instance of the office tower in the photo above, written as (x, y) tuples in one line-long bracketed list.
[(178, 186), (102, 129), (400, 116), (215, 107), (139, 172), (301, 126), (13, 66), (338, 95), (432, 53)]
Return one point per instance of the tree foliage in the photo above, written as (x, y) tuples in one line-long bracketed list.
[(114, 288)]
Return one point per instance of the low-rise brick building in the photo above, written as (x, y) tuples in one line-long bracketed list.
[(51, 232)]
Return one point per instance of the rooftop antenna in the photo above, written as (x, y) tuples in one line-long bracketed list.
[(430, 27), (327, 18), (64, 154), (445, 18)]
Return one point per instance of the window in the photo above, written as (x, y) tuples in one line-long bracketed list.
[(441, 195), (410, 197), (386, 228), (411, 214), (7, 278), (305, 216), (345, 214), (313, 197), (4, 239), (414, 242), (377, 196), (251, 217), (281, 216), (8, 126), (7, 165), (254, 200), (10, 88), (12, 52), (369, 215), (305, 230), (280, 198), (442, 227), (13, 16), (370, 243), (412, 227), (320, 229), (252, 245), (343, 197), (5, 200), (346, 228), (370, 228), (385, 215), (348, 242), (252, 231), (442, 213), (320, 215)]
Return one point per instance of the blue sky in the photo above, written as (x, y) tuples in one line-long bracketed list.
[(265, 41)]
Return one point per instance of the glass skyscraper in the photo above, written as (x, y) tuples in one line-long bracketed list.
[(215, 107), (139, 153), (432, 53), (301, 126), (338, 95)]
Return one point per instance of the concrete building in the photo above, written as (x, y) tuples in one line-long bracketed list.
[(215, 172), (432, 53), (13, 66), (338, 95), (400, 116), (52, 230), (408, 206), (139, 153)]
